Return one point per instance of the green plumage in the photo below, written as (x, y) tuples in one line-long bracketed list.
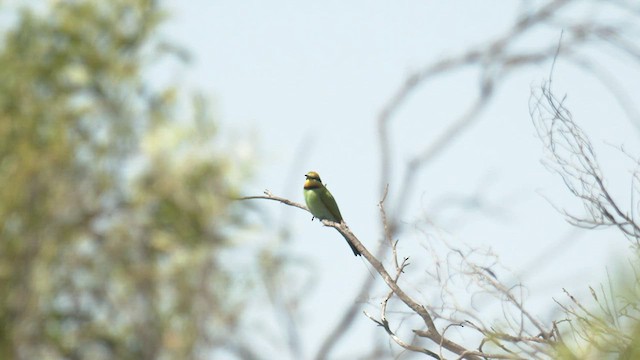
[(321, 203)]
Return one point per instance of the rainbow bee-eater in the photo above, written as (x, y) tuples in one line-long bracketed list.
[(321, 203)]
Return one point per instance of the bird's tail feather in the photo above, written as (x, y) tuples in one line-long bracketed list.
[(353, 248)]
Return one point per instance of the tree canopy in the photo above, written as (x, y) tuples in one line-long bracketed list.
[(114, 192)]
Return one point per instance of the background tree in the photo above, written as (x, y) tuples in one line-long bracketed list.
[(114, 194)]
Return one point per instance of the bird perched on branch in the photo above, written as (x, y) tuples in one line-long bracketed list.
[(321, 203)]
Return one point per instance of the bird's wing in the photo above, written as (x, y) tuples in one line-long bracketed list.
[(331, 205)]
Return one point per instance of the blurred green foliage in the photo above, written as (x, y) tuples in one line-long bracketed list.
[(114, 198), (606, 326)]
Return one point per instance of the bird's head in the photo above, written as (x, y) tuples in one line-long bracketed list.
[(313, 180)]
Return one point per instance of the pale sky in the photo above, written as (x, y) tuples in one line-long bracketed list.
[(305, 80)]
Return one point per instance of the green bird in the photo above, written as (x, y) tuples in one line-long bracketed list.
[(321, 203)]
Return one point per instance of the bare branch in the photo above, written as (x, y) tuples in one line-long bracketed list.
[(269, 196), (431, 332), (574, 159), (384, 323)]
